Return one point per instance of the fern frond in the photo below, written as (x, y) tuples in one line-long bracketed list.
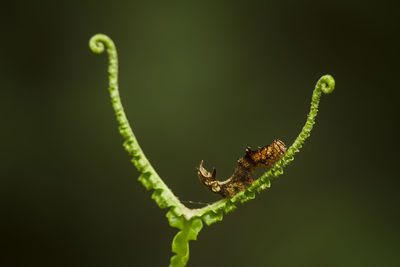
[(190, 221)]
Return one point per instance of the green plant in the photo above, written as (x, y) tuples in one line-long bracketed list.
[(190, 221)]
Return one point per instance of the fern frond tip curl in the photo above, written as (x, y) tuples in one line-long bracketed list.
[(98, 41), (326, 84)]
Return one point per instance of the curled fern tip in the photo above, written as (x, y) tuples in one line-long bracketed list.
[(326, 84), (97, 42)]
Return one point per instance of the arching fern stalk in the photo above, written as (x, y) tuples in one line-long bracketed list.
[(190, 221)]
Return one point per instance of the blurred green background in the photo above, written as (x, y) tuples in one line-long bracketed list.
[(199, 80)]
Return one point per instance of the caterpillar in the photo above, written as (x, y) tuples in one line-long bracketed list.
[(243, 174)]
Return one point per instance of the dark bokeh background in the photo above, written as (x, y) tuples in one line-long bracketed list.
[(198, 81)]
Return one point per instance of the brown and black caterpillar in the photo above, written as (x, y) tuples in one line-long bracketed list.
[(243, 175)]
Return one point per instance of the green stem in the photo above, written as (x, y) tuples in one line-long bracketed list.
[(214, 212), (149, 177), (190, 221), (180, 243)]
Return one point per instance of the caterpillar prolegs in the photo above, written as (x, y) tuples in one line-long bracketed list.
[(243, 175)]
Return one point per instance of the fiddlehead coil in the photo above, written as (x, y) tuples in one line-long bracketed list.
[(326, 84), (97, 42)]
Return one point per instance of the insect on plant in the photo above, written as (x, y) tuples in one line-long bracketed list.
[(243, 175), (239, 188)]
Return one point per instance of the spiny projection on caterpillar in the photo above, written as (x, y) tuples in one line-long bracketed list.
[(243, 175)]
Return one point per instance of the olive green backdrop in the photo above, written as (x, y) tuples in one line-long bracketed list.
[(199, 80)]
